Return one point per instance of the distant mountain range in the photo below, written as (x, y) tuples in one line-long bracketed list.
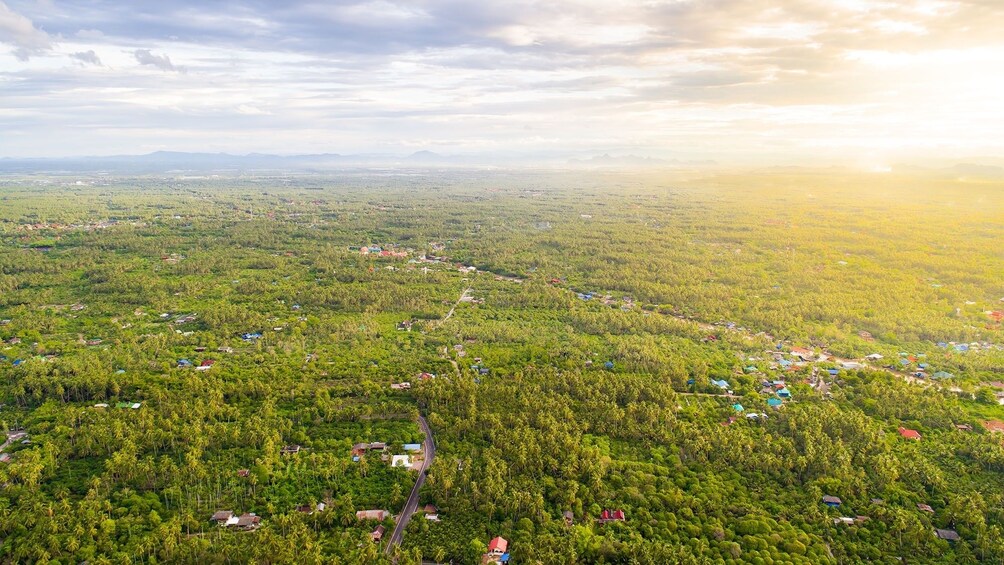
[(225, 163), (608, 160), (172, 161)]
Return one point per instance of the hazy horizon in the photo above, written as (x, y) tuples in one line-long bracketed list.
[(856, 83)]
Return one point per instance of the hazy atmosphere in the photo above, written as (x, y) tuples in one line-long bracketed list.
[(851, 82)]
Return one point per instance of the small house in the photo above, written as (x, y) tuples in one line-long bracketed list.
[(611, 516), (925, 508), (413, 447), (569, 517), (244, 473), (377, 534), (947, 535), (802, 353), (290, 449), (221, 516), (831, 501), (737, 407), (498, 545), (379, 515), (964, 427), (784, 393), (843, 520), (909, 434), (774, 402), (248, 522), (722, 384)]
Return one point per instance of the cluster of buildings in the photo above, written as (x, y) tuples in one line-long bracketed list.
[(835, 502)]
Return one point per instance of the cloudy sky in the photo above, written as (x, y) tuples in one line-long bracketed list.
[(733, 80)]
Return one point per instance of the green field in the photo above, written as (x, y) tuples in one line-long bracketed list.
[(602, 307)]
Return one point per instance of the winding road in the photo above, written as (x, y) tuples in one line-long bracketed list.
[(429, 447)]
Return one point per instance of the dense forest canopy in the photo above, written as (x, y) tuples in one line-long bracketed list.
[(616, 368)]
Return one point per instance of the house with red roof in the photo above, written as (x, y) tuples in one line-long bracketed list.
[(498, 545), (909, 434), (611, 516), (498, 552)]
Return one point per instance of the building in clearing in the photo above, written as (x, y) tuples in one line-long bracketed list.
[(380, 515)]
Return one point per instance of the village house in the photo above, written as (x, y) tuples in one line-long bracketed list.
[(722, 384), (498, 552), (947, 535), (611, 516), (843, 520), (802, 353), (248, 522), (400, 386), (290, 450), (205, 365), (569, 517), (377, 534), (221, 517), (925, 508), (909, 434), (831, 501), (379, 515)]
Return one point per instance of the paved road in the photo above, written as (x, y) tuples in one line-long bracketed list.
[(429, 446), (457, 303)]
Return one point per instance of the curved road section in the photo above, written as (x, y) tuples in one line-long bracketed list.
[(429, 447)]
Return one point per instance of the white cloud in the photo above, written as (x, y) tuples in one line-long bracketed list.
[(20, 32), (736, 77), (162, 62)]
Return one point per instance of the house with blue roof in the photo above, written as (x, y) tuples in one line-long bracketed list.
[(737, 407), (722, 384), (784, 393), (774, 402)]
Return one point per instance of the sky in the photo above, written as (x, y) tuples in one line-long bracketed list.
[(746, 81)]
